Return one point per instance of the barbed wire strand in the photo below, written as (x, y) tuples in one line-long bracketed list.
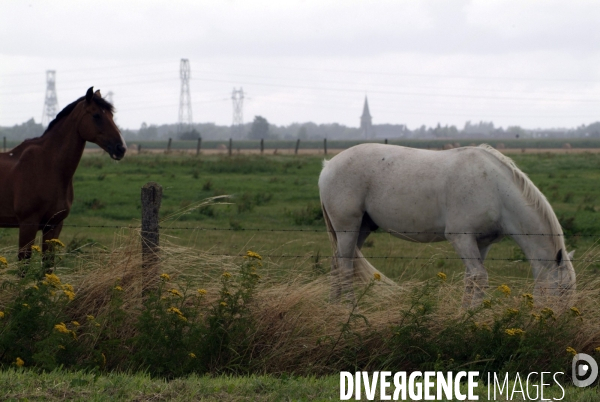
[(200, 228), (277, 256)]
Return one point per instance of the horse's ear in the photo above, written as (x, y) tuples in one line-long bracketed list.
[(570, 255), (559, 257), (89, 94), (98, 94)]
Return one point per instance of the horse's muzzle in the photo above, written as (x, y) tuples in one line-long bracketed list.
[(116, 151)]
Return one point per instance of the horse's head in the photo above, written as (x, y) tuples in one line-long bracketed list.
[(97, 125), (559, 278)]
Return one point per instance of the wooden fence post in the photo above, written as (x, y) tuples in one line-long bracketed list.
[(198, 146), (169, 145), (230, 146), (139, 148), (262, 145), (297, 146), (325, 145), (4, 145), (385, 141), (151, 198)]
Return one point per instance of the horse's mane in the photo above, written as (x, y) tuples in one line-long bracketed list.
[(101, 102), (531, 193)]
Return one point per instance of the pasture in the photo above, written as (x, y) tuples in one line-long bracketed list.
[(275, 209), (281, 324)]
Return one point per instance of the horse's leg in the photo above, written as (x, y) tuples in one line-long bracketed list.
[(336, 289), (476, 276), (48, 233), (483, 251), (345, 262), (27, 232), (366, 227)]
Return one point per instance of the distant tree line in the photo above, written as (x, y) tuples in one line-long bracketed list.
[(261, 128)]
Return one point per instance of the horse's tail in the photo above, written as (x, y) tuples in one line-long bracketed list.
[(363, 270)]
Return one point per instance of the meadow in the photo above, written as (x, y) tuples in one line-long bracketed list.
[(275, 210), (242, 313)]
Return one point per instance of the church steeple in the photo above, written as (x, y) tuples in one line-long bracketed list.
[(366, 124)]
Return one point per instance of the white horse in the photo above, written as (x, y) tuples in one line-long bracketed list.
[(472, 197)]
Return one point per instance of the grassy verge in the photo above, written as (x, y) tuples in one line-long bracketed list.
[(207, 314), (59, 385)]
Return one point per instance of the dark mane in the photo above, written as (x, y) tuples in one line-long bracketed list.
[(103, 104)]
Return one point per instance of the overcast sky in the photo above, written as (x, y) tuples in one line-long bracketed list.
[(527, 63)]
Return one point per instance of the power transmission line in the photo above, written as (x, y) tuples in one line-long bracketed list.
[(185, 101), (237, 125), (51, 101)]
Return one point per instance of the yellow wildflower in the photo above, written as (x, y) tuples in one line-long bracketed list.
[(504, 289), (377, 276), (69, 294), (226, 275), (1, 314), (528, 298), (201, 292), (223, 304), (19, 362), (165, 277), (90, 317), (36, 248), (512, 311), (536, 317), (61, 347), (175, 292), (597, 349), (575, 311), (487, 303), (514, 331), (571, 351), (118, 288), (442, 276), (68, 287), (25, 305), (55, 242), (3, 261), (62, 328), (174, 310), (252, 254), (75, 323), (35, 287), (192, 355), (53, 279), (547, 311)]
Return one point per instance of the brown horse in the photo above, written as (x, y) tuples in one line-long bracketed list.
[(36, 177)]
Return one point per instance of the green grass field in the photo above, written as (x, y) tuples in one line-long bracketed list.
[(276, 196)]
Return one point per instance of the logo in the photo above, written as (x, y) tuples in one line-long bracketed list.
[(585, 370)]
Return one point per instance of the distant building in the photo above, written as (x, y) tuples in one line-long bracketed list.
[(366, 123)]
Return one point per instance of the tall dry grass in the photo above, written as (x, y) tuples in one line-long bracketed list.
[(296, 328)]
